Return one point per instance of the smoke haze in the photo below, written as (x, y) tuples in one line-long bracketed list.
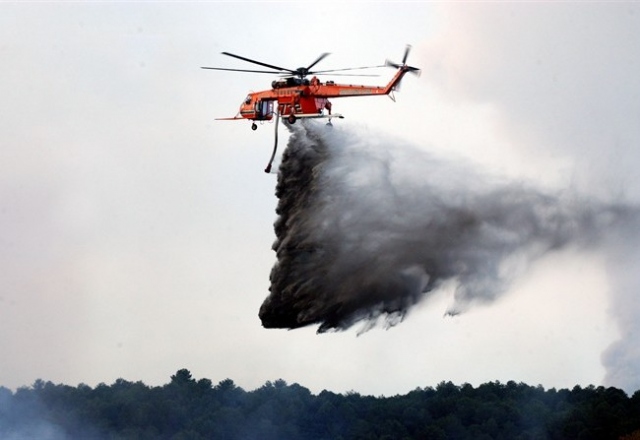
[(563, 84), (622, 358), (131, 221)]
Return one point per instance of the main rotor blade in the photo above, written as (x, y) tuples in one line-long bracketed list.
[(406, 54), (348, 68), (249, 60), (347, 74), (242, 70), (283, 75), (320, 58)]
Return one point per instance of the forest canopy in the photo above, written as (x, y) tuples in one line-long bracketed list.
[(186, 408)]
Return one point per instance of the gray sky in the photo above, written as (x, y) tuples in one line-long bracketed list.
[(136, 231)]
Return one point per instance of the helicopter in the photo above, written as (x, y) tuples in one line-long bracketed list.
[(293, 96)]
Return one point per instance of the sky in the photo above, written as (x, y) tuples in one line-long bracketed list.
[(136, 231)]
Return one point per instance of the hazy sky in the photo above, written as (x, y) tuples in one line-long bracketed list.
[(136, 231)]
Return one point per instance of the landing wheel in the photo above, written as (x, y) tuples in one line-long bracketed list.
[(291, 119), (254, 126)]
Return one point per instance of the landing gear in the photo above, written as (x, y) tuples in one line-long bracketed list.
[(254, 126), (291, 119)]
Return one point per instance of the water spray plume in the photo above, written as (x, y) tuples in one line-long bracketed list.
[(366, 229)]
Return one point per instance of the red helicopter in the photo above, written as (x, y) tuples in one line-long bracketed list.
[(295, 97)]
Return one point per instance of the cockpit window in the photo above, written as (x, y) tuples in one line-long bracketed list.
[(247, 99)]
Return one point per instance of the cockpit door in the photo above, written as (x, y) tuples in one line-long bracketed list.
[(264, 109)]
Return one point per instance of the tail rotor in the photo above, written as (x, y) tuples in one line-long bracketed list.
[(403, 66)]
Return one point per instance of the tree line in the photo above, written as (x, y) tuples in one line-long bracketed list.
[(186, 408)]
